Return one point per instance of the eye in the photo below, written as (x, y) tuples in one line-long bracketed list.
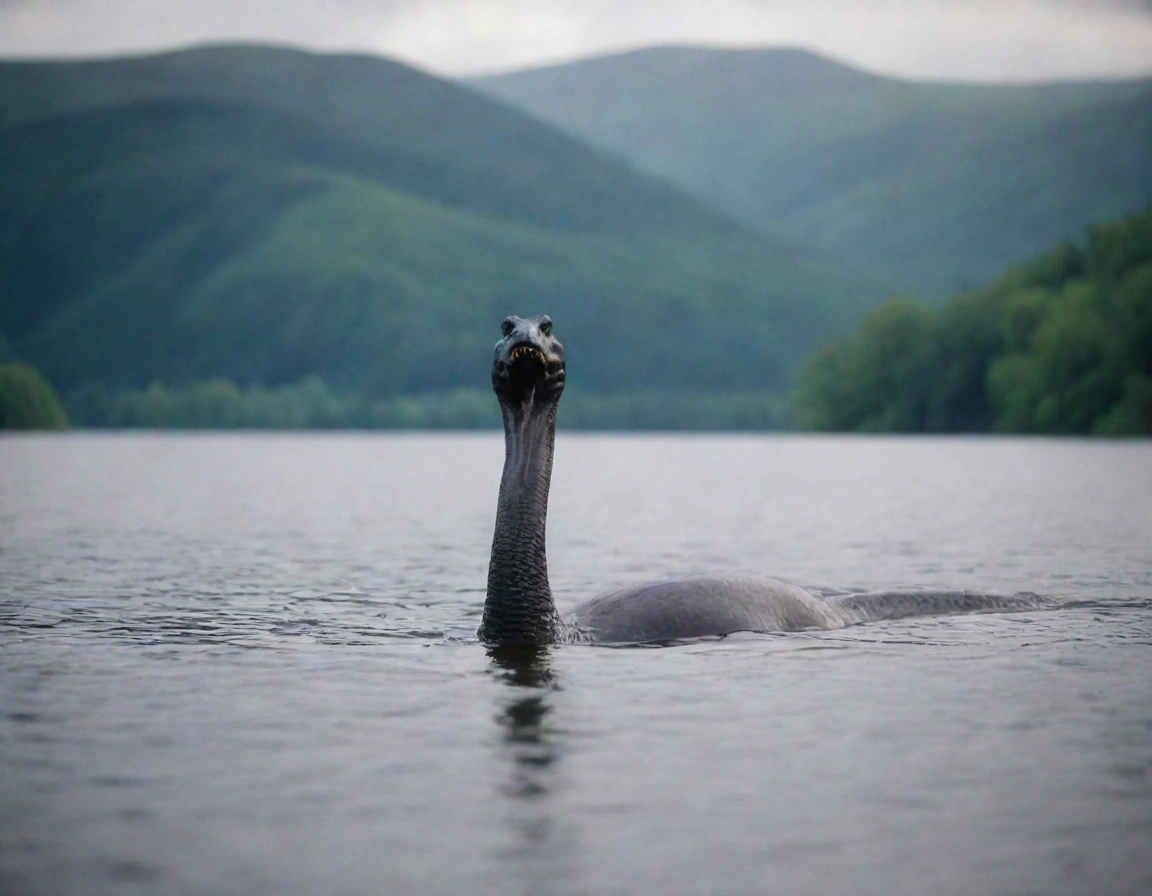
[(507, 327), (546, 325)]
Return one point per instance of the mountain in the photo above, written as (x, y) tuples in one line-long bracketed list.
[(938, 185), (265, 214)]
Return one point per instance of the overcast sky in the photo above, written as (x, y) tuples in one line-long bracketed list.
[(987, 40)]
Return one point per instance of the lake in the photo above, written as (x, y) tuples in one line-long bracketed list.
[(246, 664)]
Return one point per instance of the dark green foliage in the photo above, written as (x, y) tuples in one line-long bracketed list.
[(27, 400), (218, 403), (674, 410), (1060, 345), (311, 404), (266, 215), (939, 186), (874, 380)]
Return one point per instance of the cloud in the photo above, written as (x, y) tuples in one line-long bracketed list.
[(988, 40), (977, 39)]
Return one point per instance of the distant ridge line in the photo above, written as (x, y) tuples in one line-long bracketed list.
[(794, 52)]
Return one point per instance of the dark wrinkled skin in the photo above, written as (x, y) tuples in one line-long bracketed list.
[(519, 608), (528, 378)]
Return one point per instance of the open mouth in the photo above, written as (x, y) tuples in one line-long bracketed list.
[(526, 362), (526, 353)]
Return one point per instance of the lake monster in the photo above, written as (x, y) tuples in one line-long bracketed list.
[(528, 372)]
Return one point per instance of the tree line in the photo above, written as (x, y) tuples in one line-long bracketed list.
[(1060, 345), (312, 404)]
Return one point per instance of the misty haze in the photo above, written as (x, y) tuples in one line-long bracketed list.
[(855, 295)]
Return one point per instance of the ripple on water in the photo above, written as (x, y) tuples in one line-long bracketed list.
[(247, 665)]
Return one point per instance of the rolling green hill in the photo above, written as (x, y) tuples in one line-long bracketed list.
[(937, 185), (264, 214)]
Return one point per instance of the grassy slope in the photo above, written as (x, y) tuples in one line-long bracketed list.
[(942, 184), (264, 214)]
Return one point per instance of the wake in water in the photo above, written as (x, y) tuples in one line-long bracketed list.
[(874, 606)]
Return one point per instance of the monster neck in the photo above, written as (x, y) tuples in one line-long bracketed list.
[(519, 608)]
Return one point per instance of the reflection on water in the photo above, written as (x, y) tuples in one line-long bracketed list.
[(247, 666), (543, 844), (527, 735)]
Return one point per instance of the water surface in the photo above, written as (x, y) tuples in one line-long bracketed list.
[(241, 664)]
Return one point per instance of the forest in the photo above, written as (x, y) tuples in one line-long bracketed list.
[(937, 185), (1059, 345), (265, 215), (254, 236), (312, 404)]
